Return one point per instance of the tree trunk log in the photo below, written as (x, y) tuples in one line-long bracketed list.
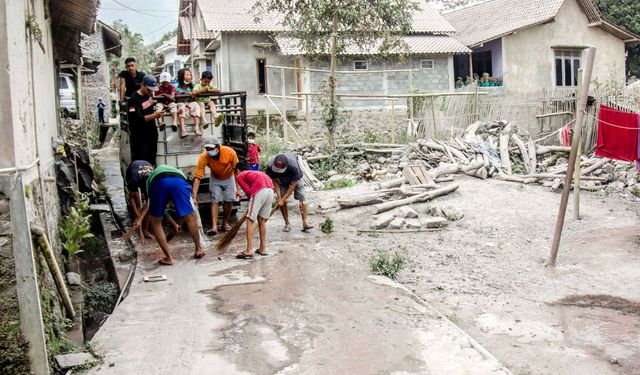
[(383, 207), (504, 149), (523, 152), (357, 202)]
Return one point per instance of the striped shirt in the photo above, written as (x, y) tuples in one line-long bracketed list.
[(253, 181)]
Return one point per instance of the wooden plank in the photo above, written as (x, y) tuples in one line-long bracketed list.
[(411, 178)]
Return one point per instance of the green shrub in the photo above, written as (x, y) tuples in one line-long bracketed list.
[(327, 225), (383, 264), (100, 297)]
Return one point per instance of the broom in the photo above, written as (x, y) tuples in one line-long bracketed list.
[(225, 241)]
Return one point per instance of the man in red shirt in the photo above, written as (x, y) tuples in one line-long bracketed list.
[(259, 188)]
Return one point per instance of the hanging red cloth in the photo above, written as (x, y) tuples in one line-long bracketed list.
[(566, 136), (617, 134)]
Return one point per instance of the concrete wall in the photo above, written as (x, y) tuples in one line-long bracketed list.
[(529, 58), (495, 46), (438, 79), (238, 57), (96, 85), (28, 106)]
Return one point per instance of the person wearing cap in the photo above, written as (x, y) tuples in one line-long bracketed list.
[(135, 180), (287, 180), (143, 133), (168, 92), (163, 184), (222, 161)]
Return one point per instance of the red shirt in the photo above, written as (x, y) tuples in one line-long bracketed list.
[(253, 181), (171, 90), (254, 154)]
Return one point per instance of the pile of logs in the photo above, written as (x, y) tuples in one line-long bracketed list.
[(484, 150)]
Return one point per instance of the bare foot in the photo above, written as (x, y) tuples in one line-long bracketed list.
[(199, 253), (148, 235), (166, 261), (226, 227)]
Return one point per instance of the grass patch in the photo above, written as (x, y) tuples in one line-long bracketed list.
[(100, 297), (339, 184), (327, 225), (384, 264), (268, 152)]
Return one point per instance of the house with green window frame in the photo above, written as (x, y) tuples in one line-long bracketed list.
[(531, 45)]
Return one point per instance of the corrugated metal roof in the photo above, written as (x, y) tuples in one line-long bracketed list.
[(189, 25), (418, 44), (69, 18), (237, 15), (492, 19)]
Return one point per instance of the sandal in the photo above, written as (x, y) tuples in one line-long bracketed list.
[(199, 255), (307, 227), (286, 228), (161, 127), (244, 256), (205, 125), (184, 135), (212, 233), (165, 263), (262, 254), (219, 120), (174, 127)]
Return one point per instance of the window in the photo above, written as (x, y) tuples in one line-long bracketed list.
[(360, 65), (427, 64), (482, 63), (63, 83), (262, 76), (567, 65)]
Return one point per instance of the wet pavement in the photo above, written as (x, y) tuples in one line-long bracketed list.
[(300, 310)]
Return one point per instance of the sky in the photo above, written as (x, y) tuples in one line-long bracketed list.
[(150, 18)]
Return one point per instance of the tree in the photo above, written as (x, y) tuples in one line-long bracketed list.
[(328, 27), (133, 46), (625, 13)]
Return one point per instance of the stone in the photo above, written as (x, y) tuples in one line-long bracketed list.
[(406, 213), (433, 222), (381, 160), (73, 279), (381, 221), (363, 168), (396, 223), (327, 204), (562, 161), (395, 157), (617, 186), (68, 361), (393, 169), (337, 177), (413, 224), (451, 213), (608, 168), (403, 164), (413, 155), (332, 173)]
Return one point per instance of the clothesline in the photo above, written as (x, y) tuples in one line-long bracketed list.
[(608, 123)]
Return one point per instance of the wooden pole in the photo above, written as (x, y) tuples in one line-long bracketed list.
[(394, 125), (433, 115), (266, 114), (576, 176), (411, 100), (584, 93), (307, 117), (285, 131)]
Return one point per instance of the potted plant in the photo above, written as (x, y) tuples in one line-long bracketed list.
[(484, 81)]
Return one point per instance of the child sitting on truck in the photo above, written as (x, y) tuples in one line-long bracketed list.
[(206, 86), (168, 92), (186, 106)]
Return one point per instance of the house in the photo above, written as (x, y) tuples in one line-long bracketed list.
[(168, 59), (531, 45), (251, 56)]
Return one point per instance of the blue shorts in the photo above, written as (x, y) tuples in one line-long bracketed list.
[(254, 167), (171, 187)]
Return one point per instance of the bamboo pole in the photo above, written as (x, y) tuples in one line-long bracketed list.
[(43, 242), (307, 117), (576, 176), (433, 115), (394, 124), (285, 131), (584, 93)]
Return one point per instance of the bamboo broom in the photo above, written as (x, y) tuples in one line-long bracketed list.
[(225, 241)]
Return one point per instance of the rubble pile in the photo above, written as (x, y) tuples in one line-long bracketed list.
[(485, 150)]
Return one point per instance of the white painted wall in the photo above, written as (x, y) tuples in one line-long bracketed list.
[(529, 58)]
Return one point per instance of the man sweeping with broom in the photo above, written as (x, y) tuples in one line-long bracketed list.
[(259, 188)]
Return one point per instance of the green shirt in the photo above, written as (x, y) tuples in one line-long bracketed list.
[(164, 169), (201, 87)]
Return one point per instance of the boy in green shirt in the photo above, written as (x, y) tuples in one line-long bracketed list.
[(206, 86)]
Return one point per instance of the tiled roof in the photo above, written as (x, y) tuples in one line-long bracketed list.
[(492, 19), (188, 25), (237, 15), (486, 21), (418, 44)]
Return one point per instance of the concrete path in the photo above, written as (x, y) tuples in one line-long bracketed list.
[(296, 311)]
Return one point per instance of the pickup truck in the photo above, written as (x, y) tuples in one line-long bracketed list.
[(183, 152)]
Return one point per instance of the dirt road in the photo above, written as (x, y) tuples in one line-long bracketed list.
[(487, 272)]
